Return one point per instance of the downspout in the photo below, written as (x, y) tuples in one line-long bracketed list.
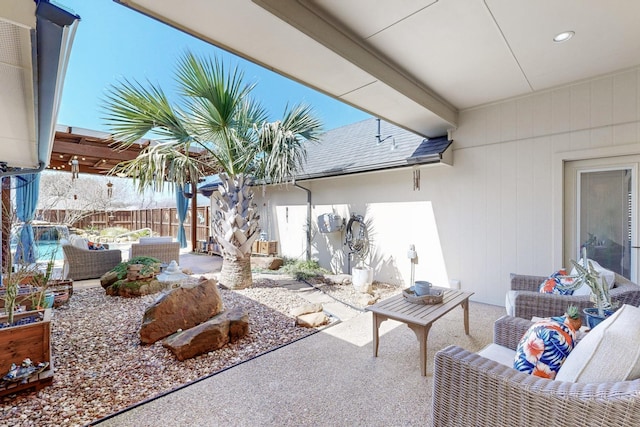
[(308, 218)]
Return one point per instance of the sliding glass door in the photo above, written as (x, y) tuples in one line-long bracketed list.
[(601, 213)]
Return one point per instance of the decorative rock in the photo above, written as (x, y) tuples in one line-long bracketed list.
[(213, 334), (344, 279), (136, 288), (367, 299), (267, 262), (181, 308), (306, 309), (108, 279), (138, 272), (312, 320)]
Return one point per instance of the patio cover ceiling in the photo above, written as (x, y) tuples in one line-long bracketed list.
[(417, 63), (96, 152)]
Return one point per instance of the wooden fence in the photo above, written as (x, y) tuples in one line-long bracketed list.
[(162, 221)]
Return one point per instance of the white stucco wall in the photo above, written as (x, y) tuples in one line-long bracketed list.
[(497, 210)]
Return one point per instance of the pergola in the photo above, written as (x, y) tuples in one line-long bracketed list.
[(96, 153)]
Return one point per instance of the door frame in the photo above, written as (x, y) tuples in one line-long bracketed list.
[(572, 202), (558, 188)]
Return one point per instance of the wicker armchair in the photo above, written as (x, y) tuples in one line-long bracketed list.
[(529, 302), (470, 390), (165, 252), (81, 264)]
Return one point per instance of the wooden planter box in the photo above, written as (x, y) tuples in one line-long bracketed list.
[(263, 247), (62, 291), (33, 341)]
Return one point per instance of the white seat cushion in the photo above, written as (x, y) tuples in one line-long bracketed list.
[(609, 352), (498, 353), (509, 302), (79, 242)]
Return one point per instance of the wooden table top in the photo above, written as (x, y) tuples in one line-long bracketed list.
[(399, 308)]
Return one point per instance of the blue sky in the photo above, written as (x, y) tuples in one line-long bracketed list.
[(113, 42)]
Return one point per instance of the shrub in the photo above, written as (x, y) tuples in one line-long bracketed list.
[(147, 261), (302, 270)]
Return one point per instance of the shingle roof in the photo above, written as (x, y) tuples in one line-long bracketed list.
[(354, 148)]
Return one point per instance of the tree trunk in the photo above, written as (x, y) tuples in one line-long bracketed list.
[(236, 272), (235, 228)]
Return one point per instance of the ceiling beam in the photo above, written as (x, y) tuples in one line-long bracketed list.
[(71, 148), (321, 28)]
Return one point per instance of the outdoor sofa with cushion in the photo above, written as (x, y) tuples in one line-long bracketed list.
[(525, 300), (81, 264), (161, 248), (470, 389)]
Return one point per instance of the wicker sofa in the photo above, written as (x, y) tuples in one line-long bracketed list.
[(528, 302), (162, 249), (471, 390), (81, 264)]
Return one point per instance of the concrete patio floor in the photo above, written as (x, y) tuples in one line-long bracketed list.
[(330, 378)]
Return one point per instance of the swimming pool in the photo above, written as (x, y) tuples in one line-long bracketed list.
[(47, 244)]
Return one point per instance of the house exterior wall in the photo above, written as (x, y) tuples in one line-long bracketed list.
[(497, 210)]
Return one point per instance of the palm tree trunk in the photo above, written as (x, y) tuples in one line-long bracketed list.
[(236, 272)]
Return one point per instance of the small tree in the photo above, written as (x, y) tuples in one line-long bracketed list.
[(216, 127)]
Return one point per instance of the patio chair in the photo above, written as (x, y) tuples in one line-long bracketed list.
[(526, 301), (81, 264), (471, 390), (161, 248)]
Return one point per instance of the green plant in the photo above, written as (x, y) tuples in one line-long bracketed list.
[(25, 274), (302, 270), (587, 274), (40, 281), (149, 263), (573, 312)]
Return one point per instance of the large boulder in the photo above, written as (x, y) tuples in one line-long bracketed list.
[(180, 308), (213, 334)]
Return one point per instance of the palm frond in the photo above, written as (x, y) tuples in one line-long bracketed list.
[(160, 163), (282, 144), (133, 110)]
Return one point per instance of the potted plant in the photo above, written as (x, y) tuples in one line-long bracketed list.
[(24, 334), (588, 275), (573, 317)]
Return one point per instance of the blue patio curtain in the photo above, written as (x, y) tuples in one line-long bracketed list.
[(182, 203), (27, 189)]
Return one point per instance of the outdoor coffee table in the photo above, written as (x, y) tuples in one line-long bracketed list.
[(418, 317)]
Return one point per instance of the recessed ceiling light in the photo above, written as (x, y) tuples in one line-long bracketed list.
[(563, 36)]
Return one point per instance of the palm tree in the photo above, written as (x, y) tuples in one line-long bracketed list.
[(215, 127)]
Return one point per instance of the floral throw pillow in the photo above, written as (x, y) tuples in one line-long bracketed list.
[(550, 286), (96, 246), (544, 347)]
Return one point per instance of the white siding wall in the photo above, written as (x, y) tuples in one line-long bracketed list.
[(496, 211)]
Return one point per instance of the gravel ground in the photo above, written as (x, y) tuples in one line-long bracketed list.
[(101, 368)]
